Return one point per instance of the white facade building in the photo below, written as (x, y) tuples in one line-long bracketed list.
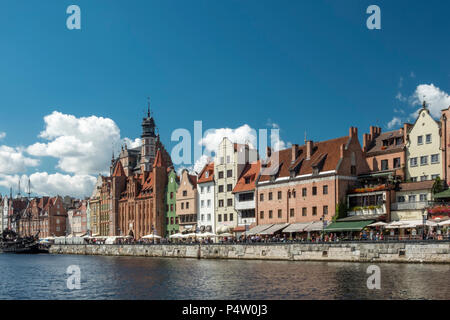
[(231, 159), (206, 220)]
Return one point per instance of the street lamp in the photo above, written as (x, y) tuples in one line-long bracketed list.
[(424, 221), (153, 232), (324, 224)]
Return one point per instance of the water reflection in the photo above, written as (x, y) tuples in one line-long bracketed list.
[(44, 277)]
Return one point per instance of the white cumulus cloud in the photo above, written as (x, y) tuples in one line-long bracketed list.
[(2, 135), (396, 121), (81, 145), (131, 144), (13, 160), (242, 135), (45, 184), (435, 98)]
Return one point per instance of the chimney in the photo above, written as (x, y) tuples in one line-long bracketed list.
[(366, 142), (353, 132), (405, 132), (374, 132), (309, 149), (341, 150), (294, 151)]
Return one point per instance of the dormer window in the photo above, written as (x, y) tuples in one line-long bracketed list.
[(385, 143)]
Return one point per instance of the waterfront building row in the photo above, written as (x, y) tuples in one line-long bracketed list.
[(389, 177)]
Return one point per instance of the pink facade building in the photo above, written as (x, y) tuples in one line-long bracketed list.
[(308, 182)]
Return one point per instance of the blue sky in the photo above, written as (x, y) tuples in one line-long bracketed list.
[(305, 65)]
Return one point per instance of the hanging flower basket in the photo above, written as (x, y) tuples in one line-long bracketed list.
[(440, 209)]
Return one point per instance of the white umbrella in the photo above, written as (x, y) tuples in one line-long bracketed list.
[(225, 235), (444, 223), (206, 234), (396, 224), (176, 236), (431, 223), (190, 235), (151, 236)]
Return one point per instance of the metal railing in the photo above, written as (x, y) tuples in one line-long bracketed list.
[(417, 205), (387, 239)]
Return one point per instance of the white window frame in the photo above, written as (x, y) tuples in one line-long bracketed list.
[(419, 140), (426, 160), (437, 155)]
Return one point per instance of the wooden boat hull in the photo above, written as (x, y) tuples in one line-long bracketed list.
[(30, 248)]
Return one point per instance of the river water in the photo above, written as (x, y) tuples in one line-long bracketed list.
[(44, 277)]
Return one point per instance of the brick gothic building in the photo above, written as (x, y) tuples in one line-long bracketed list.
[(46, 215), (138, 184)]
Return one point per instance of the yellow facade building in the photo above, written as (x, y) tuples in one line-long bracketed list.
[(423, 152)]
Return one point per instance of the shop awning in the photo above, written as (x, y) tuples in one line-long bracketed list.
[(296, 227), (442, 195), (315, 226), (348, 226), (274, 228), (258, 229)]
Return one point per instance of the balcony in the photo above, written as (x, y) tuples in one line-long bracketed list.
[(417, 205), (246, 221), (244, 205), (368, 210)]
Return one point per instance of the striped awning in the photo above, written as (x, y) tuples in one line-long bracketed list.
[(258, 229), (296, 227), (315, 226), (274, 228)]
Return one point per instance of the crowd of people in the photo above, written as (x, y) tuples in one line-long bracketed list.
[(364, 235)]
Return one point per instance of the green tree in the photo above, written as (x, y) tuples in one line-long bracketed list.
[(438, 186), (341, 211)]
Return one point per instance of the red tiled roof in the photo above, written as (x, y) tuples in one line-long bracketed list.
[(193, 180), (377, 143), (325, 155), (118, 170), (202, 176), (158, 159), (418, 185), (250, 173), (149, 182)]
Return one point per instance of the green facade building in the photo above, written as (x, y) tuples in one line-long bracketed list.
[(172, 226)]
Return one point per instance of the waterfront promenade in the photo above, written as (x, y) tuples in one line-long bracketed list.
[(357, 251)]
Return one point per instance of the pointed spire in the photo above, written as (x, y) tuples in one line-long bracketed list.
[(118, 170), (148, 108), (158, 159)]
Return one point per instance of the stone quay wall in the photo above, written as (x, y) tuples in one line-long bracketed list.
[(411, 252)]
